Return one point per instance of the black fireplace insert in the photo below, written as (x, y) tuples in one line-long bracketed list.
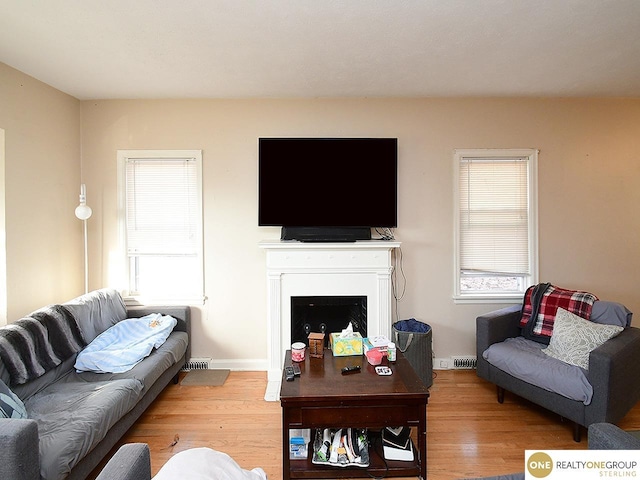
[(327, 314)]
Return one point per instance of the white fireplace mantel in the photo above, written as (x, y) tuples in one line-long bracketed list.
[(361, 268)]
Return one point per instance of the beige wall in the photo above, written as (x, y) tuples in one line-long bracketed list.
[(3, 239), (589, 176), (41, 187)]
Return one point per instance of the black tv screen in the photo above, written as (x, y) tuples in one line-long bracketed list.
[(327, 182)]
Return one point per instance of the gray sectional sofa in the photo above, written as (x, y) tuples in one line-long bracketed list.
[(74, 419)]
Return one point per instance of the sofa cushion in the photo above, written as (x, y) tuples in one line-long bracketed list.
[(27, 390), (73, 416), (574, 338), (10, 404), (96, 311), (541, 303), (523, 359)]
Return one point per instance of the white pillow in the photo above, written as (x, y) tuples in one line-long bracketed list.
[(206, 464), (574, 338)]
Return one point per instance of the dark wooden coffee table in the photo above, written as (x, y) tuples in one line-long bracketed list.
[(321, 397)]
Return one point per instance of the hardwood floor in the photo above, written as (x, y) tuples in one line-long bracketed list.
[(469, 433)]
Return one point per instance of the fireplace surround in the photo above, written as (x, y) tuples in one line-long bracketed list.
[(298, 269)]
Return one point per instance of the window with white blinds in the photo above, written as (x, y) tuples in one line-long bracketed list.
[(162, 212), (496, 223)]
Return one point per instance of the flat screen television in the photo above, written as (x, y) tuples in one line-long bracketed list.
[(327, 189)]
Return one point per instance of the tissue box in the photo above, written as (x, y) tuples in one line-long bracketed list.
[(342, 347)]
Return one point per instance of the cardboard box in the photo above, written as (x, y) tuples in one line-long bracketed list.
[(342, 347)]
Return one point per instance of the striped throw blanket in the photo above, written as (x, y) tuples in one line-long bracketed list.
[(38, 343), (541, 302)]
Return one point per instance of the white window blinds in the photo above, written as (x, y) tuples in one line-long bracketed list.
[(162, 207), (494, 215)]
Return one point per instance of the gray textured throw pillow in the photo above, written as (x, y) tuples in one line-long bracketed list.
[(10, 404), (574, 338)]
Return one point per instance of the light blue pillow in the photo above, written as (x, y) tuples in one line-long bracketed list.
[(10, 404), (610, 313)]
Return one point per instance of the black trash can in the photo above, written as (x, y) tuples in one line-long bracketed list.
[(413, 339)]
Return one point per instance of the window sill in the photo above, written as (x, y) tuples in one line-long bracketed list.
[(132, 301), (486, 299)]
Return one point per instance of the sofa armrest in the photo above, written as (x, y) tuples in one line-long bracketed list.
[(611, 367), (606, 436), (19, 446), (132, 461), (495, 327)]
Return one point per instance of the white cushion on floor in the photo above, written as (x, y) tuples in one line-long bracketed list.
[(206, 464)]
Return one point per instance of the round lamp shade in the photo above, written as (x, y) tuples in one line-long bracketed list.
[(83, 212)]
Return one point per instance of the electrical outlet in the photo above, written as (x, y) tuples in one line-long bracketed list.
[(442, 364)]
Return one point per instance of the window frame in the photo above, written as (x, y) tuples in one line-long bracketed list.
[(123, 156), (531, 156)]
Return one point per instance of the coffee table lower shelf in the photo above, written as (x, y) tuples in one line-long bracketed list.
[(305, 468)]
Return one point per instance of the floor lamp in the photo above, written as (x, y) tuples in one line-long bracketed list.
[(83, 212)]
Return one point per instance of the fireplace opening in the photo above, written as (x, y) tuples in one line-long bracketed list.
[(327, 314)]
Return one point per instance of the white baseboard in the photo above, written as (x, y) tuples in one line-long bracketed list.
[(272, 393), (251, 365)]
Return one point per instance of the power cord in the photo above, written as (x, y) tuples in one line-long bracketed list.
[(375, 442), (398, 266), (385, 233)]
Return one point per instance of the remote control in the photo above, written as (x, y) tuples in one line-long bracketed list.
[(349, 370), (296, 369), (288, 374)]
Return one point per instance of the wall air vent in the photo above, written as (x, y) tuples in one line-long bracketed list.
[(197, 364), (464, 362)]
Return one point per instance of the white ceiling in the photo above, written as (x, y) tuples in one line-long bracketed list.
[(100, 49)]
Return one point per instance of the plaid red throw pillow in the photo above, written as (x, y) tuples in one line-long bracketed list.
[(541, 303)]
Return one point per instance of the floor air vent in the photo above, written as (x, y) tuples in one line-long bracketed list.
[(197, 364), (465, 362)]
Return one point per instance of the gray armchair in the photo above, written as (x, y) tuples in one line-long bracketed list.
[(614, 373)]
